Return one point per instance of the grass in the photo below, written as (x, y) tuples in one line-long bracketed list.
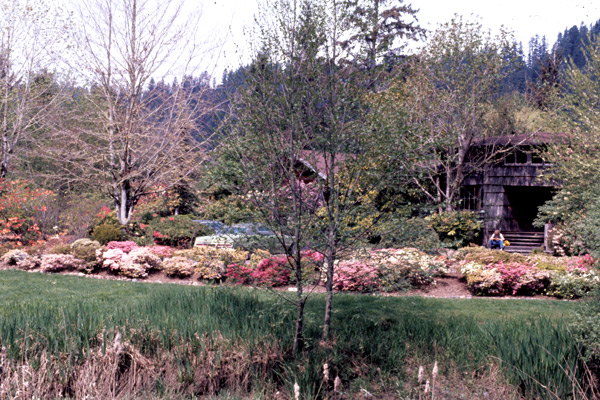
[(375, 338)]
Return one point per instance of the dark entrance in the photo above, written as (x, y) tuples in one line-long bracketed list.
[(522, 206)]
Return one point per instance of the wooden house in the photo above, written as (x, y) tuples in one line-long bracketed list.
[(508, 192)]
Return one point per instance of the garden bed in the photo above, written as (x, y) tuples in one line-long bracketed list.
[(465, 273)]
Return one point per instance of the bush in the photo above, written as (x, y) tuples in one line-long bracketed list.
[(105, 233), (399, 232), (455, 228), (61, 249), (126, 247), (61, 262), (355, 276), (271, 272), (136, 264), (253, 243), (179, 267), (14, 257), (239, 274), (85, 249), (176, 231), (20, 209)]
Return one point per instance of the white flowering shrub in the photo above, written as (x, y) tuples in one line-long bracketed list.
[(61, 262)]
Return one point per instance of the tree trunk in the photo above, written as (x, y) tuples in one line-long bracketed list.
[(328, 296)]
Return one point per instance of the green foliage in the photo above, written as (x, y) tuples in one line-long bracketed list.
[(60, 249), (455, 228), (175, 230), (401, 232), (105, 233), (586, 328), (231, 210), (85, 249), (259, 242)]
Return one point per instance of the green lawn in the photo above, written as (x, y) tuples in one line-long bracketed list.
[(63, 314)]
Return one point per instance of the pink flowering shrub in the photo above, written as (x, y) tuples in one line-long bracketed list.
[(239, 274), (271, 272), (125, 247), (161, 251), (355, 276), (506, 278)]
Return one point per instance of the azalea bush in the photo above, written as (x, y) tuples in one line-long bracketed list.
[(271, 272), (61, 262), (356, 276), (135, 264), (21, 209), (179, 267), (500, 273), (239, 274)]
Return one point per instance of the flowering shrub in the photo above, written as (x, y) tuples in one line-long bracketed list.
[(14, 257), (135, 264), (61, 262), (501, 273), (180, 267), (271, 272), (162, 251), (239, 274), (125, 247), (355, 276), (212, 271), (505, 278), (573, 285), (20, 210)]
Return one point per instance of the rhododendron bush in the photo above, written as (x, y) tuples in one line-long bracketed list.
[(498, 273)]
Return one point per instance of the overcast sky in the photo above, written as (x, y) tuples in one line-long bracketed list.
[(526, 18)]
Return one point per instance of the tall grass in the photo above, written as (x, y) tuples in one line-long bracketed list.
[(208, 340)]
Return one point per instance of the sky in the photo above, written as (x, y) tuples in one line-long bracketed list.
[(526, 18)]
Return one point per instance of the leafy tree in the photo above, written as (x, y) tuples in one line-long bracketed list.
[(576, 166), (452, 87), (304, 158)]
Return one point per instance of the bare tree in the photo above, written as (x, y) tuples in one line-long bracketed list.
[(125, 136), (30, 34)]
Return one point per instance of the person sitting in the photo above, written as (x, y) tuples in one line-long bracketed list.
[(497, 240)]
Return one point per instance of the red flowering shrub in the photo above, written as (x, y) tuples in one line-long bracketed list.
[(272, 272), (239, 274), (19, 208), (125, 247), (355, 276)]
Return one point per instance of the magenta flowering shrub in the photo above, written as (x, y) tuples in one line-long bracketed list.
[(239, 274), (125, 247), (355, 276), (271, 272)]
